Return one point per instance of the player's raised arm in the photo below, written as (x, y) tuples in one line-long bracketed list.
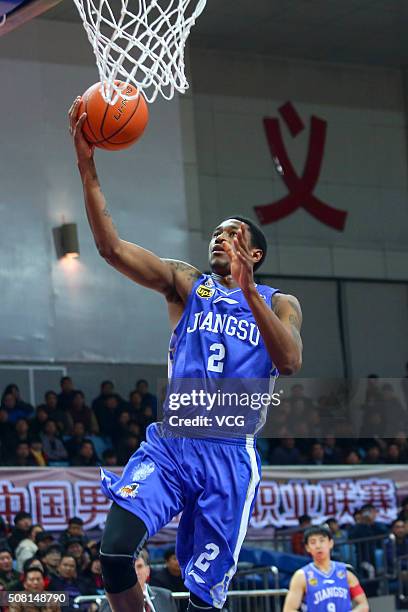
[(357, 594), (172, 278), (296, 593)]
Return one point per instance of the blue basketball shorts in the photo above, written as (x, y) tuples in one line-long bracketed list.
[(213, 483)]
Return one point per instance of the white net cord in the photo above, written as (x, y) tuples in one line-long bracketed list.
[(140, 42)]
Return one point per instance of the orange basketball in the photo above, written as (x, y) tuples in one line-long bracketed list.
[(116, 126)]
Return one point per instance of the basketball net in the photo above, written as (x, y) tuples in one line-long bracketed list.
[(143, 46)]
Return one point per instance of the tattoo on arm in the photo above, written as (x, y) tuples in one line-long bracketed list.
[(106, 212), (189, 273), (295, 315)]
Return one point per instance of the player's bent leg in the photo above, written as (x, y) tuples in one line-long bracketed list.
[(123, 537)]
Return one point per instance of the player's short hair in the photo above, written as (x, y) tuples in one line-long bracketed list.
[(322, 530), (257, 237), (75, 520)]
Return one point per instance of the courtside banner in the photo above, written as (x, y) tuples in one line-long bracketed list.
[(53, 495)]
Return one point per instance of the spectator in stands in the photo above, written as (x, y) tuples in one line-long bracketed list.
[(368, 526), (75, 529), (22, 408), (135, 429), (107, 415), (35, 562), (127, 447), (317, 456), (86, 456), (68, 580), (37, 451), (51, 558), (9, 577), (37, 424), (27, 547), (75, 548), (74, 443), (340, 550), (44, 539), (373, 454), (8, 403), (107, 388), (402, 442), (135, 407), (352, 457), (22, 430), (148, 415), (298, 393), (170, 576), (286, 453), (332, 451), (22, 524), (109, 458), (33, 582), (121, 426), (22, 456), (393, 454), (148, 399), (52, 445), (94, 576), (298, 544), (397, 545), (62, 417), (66, 394), (79, 411)]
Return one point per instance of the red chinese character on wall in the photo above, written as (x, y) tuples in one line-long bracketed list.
[(90, 503), (12, 500), (51, 503), (300, 188)]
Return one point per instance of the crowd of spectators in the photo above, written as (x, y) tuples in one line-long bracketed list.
[(36, 561), (65, 430), (332, 429)]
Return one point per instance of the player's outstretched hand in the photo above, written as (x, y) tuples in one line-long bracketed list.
[(241, 259), (83, 149)]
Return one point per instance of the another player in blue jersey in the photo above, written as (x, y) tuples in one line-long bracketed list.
[(324, 585), (224, 326)]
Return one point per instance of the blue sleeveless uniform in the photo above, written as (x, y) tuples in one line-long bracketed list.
[(327, 592), (212, 482)]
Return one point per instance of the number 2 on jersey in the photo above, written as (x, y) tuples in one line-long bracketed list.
[(215, 361), (203, 560)]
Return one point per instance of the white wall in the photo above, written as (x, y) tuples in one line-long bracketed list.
[(364, 169), (78, 310)]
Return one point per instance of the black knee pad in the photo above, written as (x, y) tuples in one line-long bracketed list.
[(118, 572), (123, 538)]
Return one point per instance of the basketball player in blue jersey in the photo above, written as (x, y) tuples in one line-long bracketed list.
[(224, 325), (324, 585)]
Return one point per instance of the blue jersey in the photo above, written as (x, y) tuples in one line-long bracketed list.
[(217, 336), (217, 347), (327, 592)]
